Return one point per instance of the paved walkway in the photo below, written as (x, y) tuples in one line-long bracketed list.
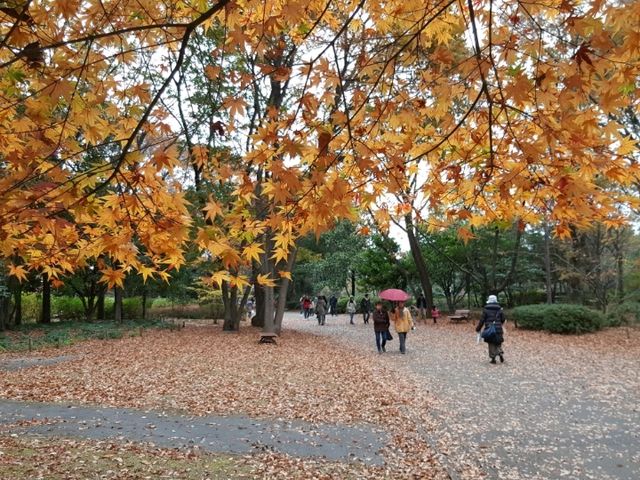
[(559, 407), (237, 435)]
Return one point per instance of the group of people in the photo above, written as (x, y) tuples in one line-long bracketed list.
[(491, 321), (319, 306)]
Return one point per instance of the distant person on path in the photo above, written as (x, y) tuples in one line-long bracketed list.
[(403, 322), (381, 325), (493, 315), (333, 305), (421, 303), (321, 309), (365, 308), (435, 313), (351, 309), (302, 305), (306, 306)]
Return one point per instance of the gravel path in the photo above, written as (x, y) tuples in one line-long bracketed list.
[(559, 407), (237, 435)]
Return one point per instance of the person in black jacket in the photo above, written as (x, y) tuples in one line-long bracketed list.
[(421, 304), (381, 324), (365, 308), (493, 315)]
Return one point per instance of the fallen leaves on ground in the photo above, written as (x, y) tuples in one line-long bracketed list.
[(31, 457), (202, 370)]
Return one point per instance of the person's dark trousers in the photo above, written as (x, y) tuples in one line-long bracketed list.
[(365, 316), (403, 340), (351, 321), (381, 340), (306, 313)]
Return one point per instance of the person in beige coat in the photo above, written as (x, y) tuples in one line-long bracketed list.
[(403, 322)]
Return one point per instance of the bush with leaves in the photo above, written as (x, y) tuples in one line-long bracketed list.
[(627, 313), (559, 318)]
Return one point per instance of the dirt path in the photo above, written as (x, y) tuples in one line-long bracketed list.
[(559, 407), (236, 435)]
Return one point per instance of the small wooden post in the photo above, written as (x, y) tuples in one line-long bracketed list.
[(30, 344)]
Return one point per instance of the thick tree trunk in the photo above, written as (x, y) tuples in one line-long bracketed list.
[(547, 263), (45, 316), (230, 301), (17, 302), (418, 258), (100, 305), (282, 292), (269, 311), (258, 319), (117, 307), (144, 303)]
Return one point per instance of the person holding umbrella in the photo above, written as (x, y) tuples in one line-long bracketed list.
[(402, 318), (403, 322)]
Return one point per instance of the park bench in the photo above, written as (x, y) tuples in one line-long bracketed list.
[(459, 315)]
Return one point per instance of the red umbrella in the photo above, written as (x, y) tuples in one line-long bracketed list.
[(394, 295)]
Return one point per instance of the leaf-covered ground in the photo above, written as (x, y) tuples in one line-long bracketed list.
[(559, 407), (201, 370)]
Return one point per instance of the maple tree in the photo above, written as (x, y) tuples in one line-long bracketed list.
[(478, 110)]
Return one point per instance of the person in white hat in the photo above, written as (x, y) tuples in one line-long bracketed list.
[(492, 319)]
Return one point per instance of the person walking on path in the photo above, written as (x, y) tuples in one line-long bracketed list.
[(365, 307), (421, 304), (403, 322), (493, 317), (321, 309), (333, 305), (306, 306), (351, 309), (381, 325), (435, 313)]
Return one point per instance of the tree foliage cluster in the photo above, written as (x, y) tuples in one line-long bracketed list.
[(284, 117)]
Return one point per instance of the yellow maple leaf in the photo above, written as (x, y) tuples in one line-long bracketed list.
[(113, 277), (252, 252), (17, 271), (265, 280)]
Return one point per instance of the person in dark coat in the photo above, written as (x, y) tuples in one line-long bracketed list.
[(365, 308), (421, 305), (493, 315), (321, 309), (381, 325), (333, 305)]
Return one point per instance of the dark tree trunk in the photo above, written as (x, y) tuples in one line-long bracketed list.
[(100, 305), (547, 263), (17, 302), (231, 312), (144, 303), (117, 306), (282, 292), (258, 319), (46, 300), (418, 258)]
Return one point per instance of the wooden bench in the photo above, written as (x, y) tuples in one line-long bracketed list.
[(459, 315)]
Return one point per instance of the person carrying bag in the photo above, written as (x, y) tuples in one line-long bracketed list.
[(492, 320)]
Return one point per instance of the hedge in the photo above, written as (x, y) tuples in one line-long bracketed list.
[(559, 318)]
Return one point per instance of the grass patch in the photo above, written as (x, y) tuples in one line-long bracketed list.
[(61, 334)]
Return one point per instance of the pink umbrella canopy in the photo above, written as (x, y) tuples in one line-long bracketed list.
[(394, 295)]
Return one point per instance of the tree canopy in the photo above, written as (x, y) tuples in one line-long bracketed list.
[(464, 111)]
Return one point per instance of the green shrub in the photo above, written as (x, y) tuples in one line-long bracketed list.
[(559, 318), (627, 313), (67, 308), (31, 307), (195, 312), (132, 308)]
